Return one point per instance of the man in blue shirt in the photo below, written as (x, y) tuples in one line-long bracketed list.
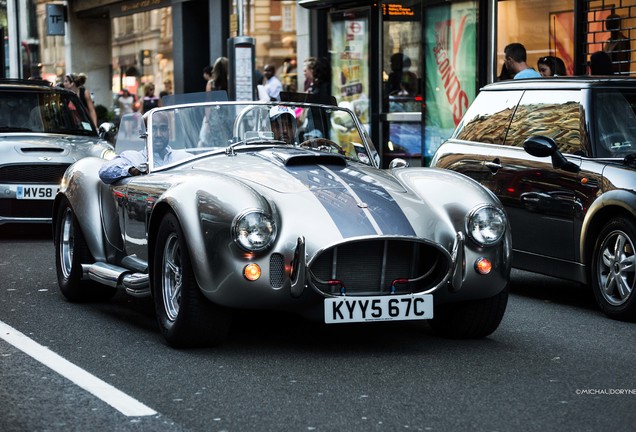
[(515, 60)]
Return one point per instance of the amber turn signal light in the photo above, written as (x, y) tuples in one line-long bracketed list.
[(252, 272), (483, 266)]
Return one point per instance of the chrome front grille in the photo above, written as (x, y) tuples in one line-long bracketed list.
[(43, 173), (371, 267)]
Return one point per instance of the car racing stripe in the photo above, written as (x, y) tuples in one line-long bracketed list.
[(355, 196), (381, 215)]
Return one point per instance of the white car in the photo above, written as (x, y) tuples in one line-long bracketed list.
[(43, 130)]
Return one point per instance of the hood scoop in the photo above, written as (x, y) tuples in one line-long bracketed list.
[(41, 150), (292, 157)]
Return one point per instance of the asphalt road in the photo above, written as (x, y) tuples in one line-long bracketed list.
[(555, 363)]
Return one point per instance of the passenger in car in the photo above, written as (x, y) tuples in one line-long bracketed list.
[(134, 162)]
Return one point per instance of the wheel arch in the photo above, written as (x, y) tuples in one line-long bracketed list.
[(82, 187), (611, 204), (215, 207)]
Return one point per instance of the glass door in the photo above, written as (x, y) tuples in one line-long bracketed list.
[(402, 81), (349, 47)]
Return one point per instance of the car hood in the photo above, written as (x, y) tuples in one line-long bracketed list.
[(359, 199), (66, 148)]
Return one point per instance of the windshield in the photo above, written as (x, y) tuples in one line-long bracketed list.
[(186, 131), (46, 112)]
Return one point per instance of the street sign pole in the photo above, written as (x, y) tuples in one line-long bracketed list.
[(14, 39)]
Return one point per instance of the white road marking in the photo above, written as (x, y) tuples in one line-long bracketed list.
[(104, 391)]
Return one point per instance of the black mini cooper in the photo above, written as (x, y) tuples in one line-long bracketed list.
[(560, 153)]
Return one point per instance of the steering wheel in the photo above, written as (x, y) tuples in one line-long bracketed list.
[(613, 138), (322, 144)]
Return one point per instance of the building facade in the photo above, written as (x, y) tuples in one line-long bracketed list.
[(408, 68), (412, 67)]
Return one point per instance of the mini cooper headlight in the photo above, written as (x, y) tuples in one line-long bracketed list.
[(486, 225), (254, 230), (108, 154)]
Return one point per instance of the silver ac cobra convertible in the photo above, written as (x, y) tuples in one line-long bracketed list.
[(242, 217)]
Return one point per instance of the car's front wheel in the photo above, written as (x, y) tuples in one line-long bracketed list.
[(470, 319), (71, 251), (614, 269), (186, 318)]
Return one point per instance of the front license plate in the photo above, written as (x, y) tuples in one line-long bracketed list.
[(387, 308), (36, 192)]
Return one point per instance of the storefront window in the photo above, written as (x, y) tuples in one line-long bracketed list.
[(610, 28), (451, 67), (4, 49), (402, 80), (272, 23), (349, 48), (139, 59), (542, 32)]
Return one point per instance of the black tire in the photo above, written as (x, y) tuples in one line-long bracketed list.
[(71, 252), (613, 269), (186, 318), (471, 319)]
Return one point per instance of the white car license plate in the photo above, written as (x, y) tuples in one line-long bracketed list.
[(36, 192), (349, 309)]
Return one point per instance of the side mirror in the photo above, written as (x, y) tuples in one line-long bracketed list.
[(542, 146), (107, 131), (398, 163)]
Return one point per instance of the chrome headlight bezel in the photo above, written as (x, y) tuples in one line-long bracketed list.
[(108, 154), (486, 224), (251, 225)]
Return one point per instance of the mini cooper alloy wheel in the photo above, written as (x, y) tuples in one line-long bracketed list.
[(616, 268)]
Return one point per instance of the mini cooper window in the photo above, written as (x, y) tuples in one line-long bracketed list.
[(616, 122), (50, 112), (551, 113), (488, 117)]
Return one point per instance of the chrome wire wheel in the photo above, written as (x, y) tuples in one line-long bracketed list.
[(172, 277), (66, 244), (185, 316), (616, 268), (71, 254)]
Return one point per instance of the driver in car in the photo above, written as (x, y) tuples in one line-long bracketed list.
[(283, 123)]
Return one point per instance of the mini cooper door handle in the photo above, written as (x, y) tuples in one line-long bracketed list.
[(493, 166)]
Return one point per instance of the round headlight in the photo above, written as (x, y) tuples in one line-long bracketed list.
[(108, 154), (254, 230), (486, 225)]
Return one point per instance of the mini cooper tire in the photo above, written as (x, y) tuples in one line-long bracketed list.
[(613, 271), (71, 251), (470, 319), (186, 318)]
